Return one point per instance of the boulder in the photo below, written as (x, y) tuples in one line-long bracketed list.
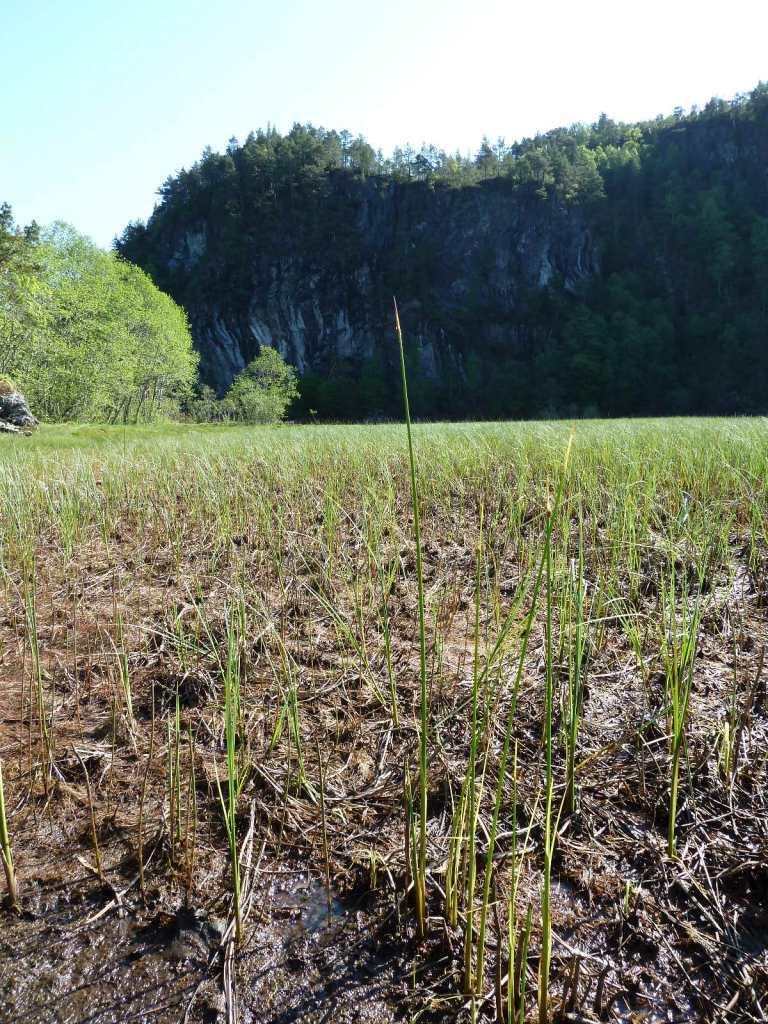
[(15, 413)]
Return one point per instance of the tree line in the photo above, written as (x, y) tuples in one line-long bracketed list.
[(673, 322), (87, 336)]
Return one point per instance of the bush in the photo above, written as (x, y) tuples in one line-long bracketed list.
[(204, 406), (263, 391)]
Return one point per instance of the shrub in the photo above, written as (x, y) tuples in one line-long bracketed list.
[(262, 392)]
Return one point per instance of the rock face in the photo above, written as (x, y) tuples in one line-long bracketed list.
[(463, 262), (15, 414)]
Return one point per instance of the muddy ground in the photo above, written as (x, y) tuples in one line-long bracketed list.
[(642, 936)]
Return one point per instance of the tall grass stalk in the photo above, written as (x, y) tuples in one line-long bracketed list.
[(123, 667), (550, 820), (679, 655), (174, 777), (516, 990), (290, 712), (455, 857), (142, 801), (471, 785), (5, 849), (577, 636), (92, 815), (44, 725), (420, 876), (324, 826), (549, 837), (190, 819), (386, 580), (521, 972), (228, 799), (544, 560), (512, 903)]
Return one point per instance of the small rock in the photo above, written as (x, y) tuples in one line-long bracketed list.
[(15, 412)]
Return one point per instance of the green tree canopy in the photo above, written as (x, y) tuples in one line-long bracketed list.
[(85, 334), (264, 389)]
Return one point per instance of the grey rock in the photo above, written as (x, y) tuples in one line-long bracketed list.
[(478, 252), (15, 412)]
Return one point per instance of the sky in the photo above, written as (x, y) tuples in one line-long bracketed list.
[(101, 101)]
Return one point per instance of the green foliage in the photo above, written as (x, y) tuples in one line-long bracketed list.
[(85, 334), (205, 407), (263, 391), (675, 210)]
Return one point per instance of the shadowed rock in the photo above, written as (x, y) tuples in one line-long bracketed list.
[(15, 414)]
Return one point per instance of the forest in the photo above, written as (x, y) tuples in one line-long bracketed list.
[(649, 296), (671, 319)]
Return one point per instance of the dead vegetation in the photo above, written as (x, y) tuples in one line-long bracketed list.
[(210, 705)]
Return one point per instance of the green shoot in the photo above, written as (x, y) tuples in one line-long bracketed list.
[(5, 849), (420, 877)]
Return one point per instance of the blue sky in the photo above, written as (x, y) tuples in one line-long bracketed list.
[(101, 101)]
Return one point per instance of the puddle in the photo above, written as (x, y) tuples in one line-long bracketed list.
[(300, 907), (564, 889), (627, 1012)]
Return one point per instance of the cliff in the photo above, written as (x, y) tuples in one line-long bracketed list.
[(594, 262), (322, 292)]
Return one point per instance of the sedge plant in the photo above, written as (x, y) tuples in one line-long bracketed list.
[(420, 859), (230, 668), (228, 797), (5, 849), (679, 655), (544, 562), (574, 699)]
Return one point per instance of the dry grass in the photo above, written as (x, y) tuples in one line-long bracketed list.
[(142, 548)]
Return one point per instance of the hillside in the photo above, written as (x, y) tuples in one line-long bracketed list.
[(616, 269)]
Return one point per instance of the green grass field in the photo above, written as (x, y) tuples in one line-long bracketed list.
[(210, 677)]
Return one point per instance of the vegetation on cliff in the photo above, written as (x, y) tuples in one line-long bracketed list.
[(671, 318)]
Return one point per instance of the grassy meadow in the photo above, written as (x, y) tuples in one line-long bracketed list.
[(507, 714)]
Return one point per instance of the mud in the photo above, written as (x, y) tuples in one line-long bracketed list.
[(300, 962)]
